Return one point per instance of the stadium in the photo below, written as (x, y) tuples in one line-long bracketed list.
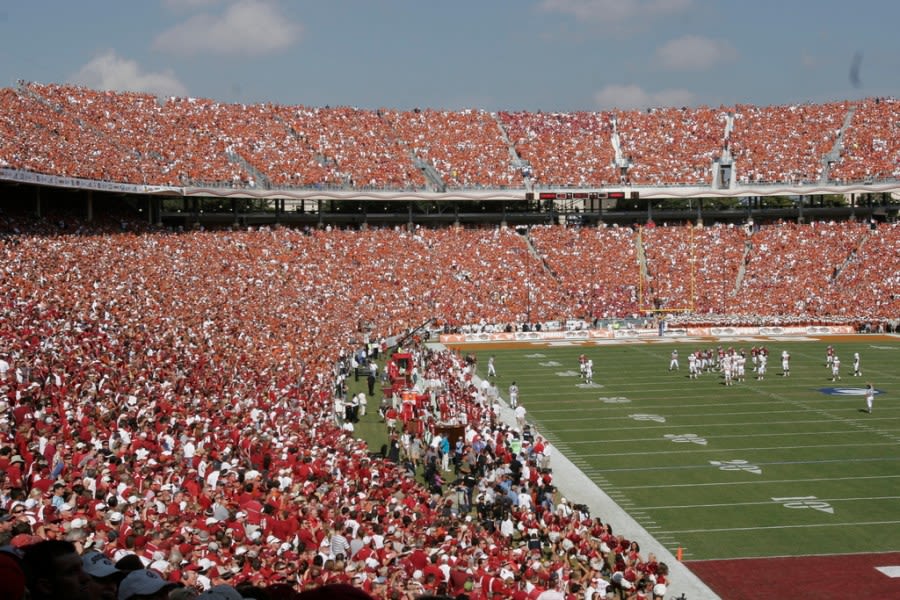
[(247, 345)]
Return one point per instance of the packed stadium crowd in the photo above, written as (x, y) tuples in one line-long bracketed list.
[(169, 401), (125, 137), (868, 152), (564, 148), (172, 396), (692, 139), (785, 143), (176, 417)]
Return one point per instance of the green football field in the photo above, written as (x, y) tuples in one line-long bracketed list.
[(788, 466)]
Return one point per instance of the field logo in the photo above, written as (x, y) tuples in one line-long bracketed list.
[(683, 438), (567, 373), (645, 417), (551, 363), (589, 386), (805, 502), (614, 400), (536, 355), (891, 571), (846, 391), (736, 465)]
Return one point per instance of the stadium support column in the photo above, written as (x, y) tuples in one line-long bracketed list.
[(234, 213), (89, 206), (37, 201)]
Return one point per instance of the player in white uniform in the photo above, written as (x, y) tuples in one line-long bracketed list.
[(857, 371), (693, 366), (835, 368), (870, 396), (513, 395), (761, 362), (728, 369), (785, 363), (673, 362), (740, 366), (492, 370), (589, 371)]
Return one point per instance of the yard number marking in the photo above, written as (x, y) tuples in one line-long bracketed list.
[(681, 438), (805, 502), (646, 417), (736, 465), (614, 400), (567, 373)]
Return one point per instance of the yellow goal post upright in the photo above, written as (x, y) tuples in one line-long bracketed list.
[(646, 300)]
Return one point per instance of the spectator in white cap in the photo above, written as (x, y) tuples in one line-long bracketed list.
[(104, 575), (145, 584)]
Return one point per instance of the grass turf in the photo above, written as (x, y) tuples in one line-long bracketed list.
[(763, 468)]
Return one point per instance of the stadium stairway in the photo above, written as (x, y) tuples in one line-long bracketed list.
[(851, 256), (742, 270), (642, 263), (534, 252), (262, 180), (835, 154), (24, 90), (516, 162), (430, 173)]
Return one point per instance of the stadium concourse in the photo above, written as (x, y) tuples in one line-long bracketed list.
[(176, 397)]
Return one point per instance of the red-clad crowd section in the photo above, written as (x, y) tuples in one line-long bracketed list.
[(136, 138), (179, 397)]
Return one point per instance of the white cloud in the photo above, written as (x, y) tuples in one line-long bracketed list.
[(615, 10), (694, 53), (247, 27), (108, 71), (633, 96)]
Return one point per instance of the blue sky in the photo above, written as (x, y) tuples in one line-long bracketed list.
[(551, 55)]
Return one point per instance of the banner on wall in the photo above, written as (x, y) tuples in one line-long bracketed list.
[(644, 334)]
